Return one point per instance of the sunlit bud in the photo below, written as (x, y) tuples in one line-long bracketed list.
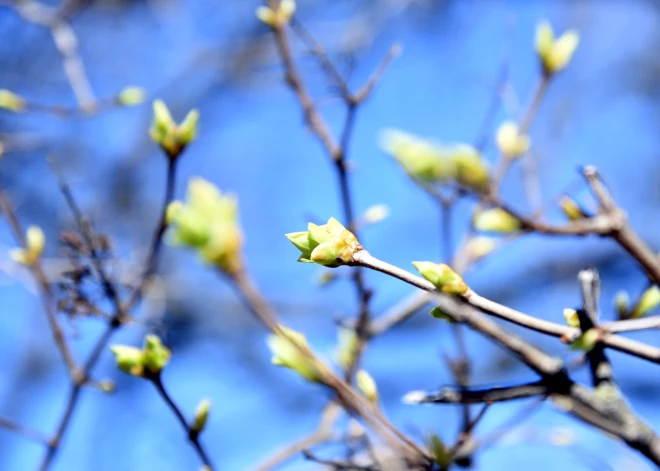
[(35, 242), (571, 209), (156, 355), (376, 213), (648, 301), (440, 314), (207, 222), (201, 416), (349, 345), (510, 142), (187, 130), (11, 101), (622, 304), (587, 341), (441, 455), (443, 277), (421, 159), (165, 132), (471, 170), (480, 246), (131, 96), (571, 317), (555, 54), (290, 350), (496, 220), (129, 359), (367, 386), (279, 17), (330, 245)]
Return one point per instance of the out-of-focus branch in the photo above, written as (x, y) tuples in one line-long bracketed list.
[(47, 297), (322, 434), (67, 44), (26, 432)]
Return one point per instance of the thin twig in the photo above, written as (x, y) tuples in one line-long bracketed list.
[(193, 436)]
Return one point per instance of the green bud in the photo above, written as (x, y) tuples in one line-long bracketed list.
[(156, 355), (129, 359), (555, 54), (163, 123), (471, 169), (131, 96), (587, 341), (201, 416), (207, 222), (367, 386), (440, 314), (421, 159), (649, 300), (330, 245), (187, 130), (11, 101), (571, 317), (443, 278), (290, 350), (622, 304), (439, 451), (496, 220)]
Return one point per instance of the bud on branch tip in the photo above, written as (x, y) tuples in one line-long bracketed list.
[(330, 245)]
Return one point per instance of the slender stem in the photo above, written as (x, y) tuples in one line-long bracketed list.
[(192, 435), (26, 432), (115, 322)]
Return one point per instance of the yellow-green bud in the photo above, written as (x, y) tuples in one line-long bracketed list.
[(35, 242), (187, 130), (290, 350), (587, 341), (471, 170), (421, 159), (439, 451), (510, 142), (555, 54), (279, 17), (443, 277), (367, 386), (131, 96), (156, 355), (129, 359), (571, 209), (11, 101), (440, 314), (201, 416), (496, 220), (649, 300), (571, 317), (330, 245)]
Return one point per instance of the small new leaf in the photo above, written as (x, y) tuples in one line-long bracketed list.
[(443, 278)]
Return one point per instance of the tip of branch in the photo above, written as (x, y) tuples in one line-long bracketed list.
[(414, 397)]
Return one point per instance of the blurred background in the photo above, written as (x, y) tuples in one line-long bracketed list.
[(217, 57)]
